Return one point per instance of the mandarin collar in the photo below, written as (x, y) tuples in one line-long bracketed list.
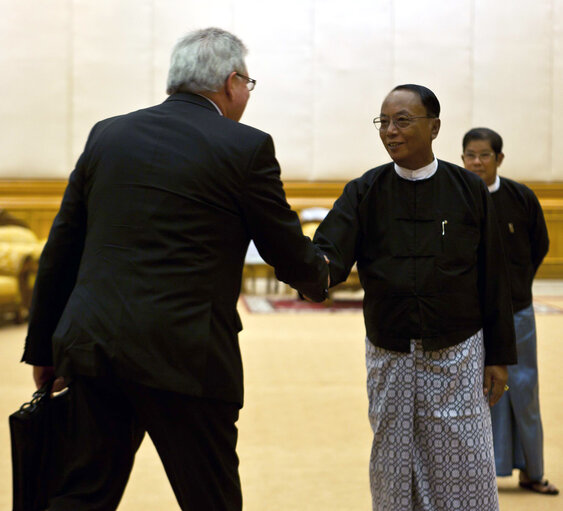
[(418, 174), (495, 186)]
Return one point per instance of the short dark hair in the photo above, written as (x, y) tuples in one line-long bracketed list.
[(428, 98), (484, 134)]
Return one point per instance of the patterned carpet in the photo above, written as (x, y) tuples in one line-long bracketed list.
[(548, 305)]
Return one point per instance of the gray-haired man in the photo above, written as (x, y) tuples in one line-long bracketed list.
[(135, 299)]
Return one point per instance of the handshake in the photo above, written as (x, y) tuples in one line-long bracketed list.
[(325, 295)]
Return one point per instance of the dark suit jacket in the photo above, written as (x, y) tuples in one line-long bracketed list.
[(142, 268)]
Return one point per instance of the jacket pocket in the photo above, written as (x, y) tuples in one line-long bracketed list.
[(459, 245)]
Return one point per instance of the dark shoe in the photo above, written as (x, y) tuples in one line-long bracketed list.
[(542, 487)]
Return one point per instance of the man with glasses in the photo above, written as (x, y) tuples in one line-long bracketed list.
[(437, 313), (517, 427), (135, 298)]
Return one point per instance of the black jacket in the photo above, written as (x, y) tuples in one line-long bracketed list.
[(429, 258), (142, 268), (524, 236)]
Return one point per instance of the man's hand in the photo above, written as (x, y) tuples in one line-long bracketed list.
[(42, 374), (495, 381), (328, 280)]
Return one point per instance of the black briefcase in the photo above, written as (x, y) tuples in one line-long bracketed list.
[(37, 433)]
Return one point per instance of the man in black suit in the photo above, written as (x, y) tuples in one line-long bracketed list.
[(135, 299)]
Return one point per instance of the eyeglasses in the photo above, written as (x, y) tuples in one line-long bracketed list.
[(483, 157), (401, 122), (250, 82)]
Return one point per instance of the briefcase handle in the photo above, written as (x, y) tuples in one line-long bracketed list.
[(38, 396)]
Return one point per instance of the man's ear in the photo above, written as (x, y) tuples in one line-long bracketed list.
[(500, 158), (435, 128), (229, 85)]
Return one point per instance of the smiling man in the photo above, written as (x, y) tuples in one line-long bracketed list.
[(437, 313), (517, 425)]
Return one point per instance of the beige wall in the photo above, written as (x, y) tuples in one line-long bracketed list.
[(323, 68)]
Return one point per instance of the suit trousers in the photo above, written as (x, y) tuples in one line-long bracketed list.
[(194, 437)]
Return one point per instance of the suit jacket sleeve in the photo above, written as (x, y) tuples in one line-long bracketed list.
[(58, 268), (494, 289), (276, 229)]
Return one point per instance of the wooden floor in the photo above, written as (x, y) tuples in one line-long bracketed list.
[(304, 433)]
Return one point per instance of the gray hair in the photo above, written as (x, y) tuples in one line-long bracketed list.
[(202, 60)]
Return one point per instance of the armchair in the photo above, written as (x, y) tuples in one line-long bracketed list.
[(19, 254)]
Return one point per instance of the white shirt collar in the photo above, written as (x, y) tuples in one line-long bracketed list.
[(495, 186), (415, 175), (213, 103)]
